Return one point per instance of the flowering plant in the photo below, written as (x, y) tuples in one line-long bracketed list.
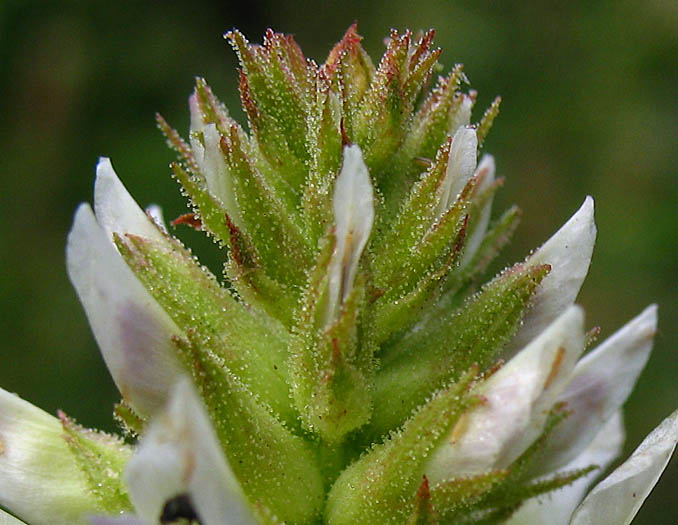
[(349, 367)]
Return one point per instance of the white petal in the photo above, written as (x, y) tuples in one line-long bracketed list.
[(211, 162), (39, 477), (600, 384), (8, 519), (462, 115), (353, 218), (569, 254), (155, 213), (617, 499), (476, 237), (180, 455), (555, 508), (196, 116), (518, 398), (460, 167), (115, 209), (196, 128), (217, 175), (133, 332)]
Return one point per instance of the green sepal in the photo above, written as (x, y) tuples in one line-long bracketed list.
[(276, 468), (445, 346), (132, 424), (330, 364), (248, 278), (437, 117), (325, 144), (488, 119), (451, 496), (499, 505), (495, 239), (209, 213), (102, 459), (387, 107), (441, 113), (498, 236), (175, 142), (396, 313), (274, 91), (352, 69), (396, 241), (273, 227), (211, 108), (382, 486), (413, 255), (251, 343)]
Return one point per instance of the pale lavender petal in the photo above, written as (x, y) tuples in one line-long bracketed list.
[(600, 384), (618, 498), (462, 114), (133, 332), (555, 508)]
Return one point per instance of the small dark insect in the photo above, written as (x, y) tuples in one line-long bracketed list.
[(179, 507)]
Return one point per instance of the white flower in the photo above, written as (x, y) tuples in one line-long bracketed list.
[(568, 252), (518, 397), (485, 169), (460, 167), (617, 499), (556, 507), (210, 161), (353, 217), (517, 400), (180, 461), (133, 332)]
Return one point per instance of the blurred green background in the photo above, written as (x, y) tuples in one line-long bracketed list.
[(590, 107)]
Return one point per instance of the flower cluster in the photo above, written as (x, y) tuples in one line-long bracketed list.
[(350, 366)]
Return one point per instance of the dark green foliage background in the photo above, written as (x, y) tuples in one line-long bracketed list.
[(589, 108)]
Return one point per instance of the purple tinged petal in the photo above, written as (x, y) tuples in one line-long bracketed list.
[(600, 384), (132, 331), (555, 508), (618, 498)]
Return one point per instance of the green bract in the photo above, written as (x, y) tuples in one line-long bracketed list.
[(351, 366)]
